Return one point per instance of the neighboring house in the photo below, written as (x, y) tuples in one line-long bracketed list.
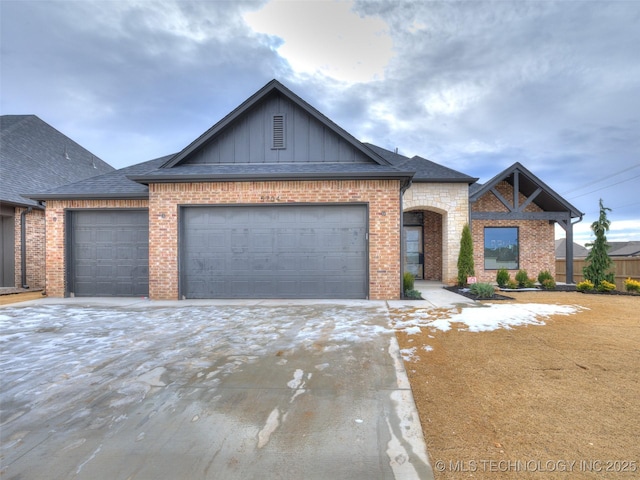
[(578, 250), (624, 249), (34, 157), (277, 201)]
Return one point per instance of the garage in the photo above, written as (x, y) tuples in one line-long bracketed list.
[(274, 251), (108, 253)]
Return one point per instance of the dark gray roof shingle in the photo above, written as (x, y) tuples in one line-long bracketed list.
[(34, 157), (271, 171), (115, 184), (426, 170)]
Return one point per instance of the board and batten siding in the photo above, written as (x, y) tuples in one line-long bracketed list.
[(250, 139)]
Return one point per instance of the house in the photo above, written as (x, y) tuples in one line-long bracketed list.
[(624, 249), (277, 201), (578, 250), (34, 157)]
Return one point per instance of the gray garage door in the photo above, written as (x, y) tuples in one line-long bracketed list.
[(275, 251), (109, 253)]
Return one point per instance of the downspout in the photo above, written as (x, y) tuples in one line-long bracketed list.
[(23, 246), (403, 188)]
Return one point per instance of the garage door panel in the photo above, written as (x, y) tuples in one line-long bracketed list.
[(109, 253), (292, 251)]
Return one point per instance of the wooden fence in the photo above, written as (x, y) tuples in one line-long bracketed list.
[(628, 267)]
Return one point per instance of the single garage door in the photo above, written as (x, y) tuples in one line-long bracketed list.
[(275, 251), (109, 253)]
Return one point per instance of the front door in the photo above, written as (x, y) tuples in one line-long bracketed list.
[(413, 255)]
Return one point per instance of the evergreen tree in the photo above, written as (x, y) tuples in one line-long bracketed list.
[(465, 258), (598, 262)]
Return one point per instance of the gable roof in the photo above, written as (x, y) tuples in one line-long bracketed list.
[(269, 89), (34, 156), (530, 186), (426, 170)]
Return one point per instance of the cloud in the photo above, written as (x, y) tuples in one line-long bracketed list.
[(474, 86), (326, 38)]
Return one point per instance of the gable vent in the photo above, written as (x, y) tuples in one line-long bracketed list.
[(278, 132)]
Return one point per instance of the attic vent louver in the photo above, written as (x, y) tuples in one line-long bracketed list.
[(278, 132)]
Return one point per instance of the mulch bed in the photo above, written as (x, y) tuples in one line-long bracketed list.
[(613, 292), (468, 294)]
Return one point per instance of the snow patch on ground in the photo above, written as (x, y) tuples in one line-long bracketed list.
[(408, 354), (488, 317)]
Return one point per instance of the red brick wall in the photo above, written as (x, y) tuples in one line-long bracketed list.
[(55, 245), (432, 245), (536, 237), (384, 222), (35, 258), (382, 197)]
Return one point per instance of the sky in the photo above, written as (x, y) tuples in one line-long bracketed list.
[(474, 85)]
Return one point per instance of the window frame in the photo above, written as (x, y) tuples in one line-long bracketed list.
[(485, 248)]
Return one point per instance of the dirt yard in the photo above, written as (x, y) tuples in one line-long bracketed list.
[(559, 400)]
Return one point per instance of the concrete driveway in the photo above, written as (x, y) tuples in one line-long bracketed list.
[(133, 389)]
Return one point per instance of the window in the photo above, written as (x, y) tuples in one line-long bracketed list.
[(501, 248)]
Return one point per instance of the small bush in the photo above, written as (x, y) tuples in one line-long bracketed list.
[(407, 281), (522, 278), (502, 277), (482, 290), (585, 286), (412, 294), (632, 285), (512, 284), (548, 284), (605, 286), (465, 257), (544, 275)]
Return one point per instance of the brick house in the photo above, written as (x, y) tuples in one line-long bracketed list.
[(34, 157), (274, 201)]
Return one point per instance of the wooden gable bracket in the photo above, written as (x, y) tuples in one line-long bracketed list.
[(515, 206)]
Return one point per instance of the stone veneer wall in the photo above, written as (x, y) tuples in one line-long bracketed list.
[(35, 234), (382, 197), (55, 221), (536, 237), (451, 200)]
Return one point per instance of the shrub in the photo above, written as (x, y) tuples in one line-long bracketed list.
[(548, 284), (465, 258), (482, 290), (544, 275), (522, 278), (512, 284), (585, 286), (412, 294), (632, 285), (408, 281), (502, 277), (598, 262), (605, 286)]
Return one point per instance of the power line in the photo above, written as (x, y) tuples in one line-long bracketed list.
[(602, 188), (601, 179)]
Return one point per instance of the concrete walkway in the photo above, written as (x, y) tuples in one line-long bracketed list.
[(139, 389), (434, 295)]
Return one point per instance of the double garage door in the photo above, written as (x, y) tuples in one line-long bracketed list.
[(274, 251)]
